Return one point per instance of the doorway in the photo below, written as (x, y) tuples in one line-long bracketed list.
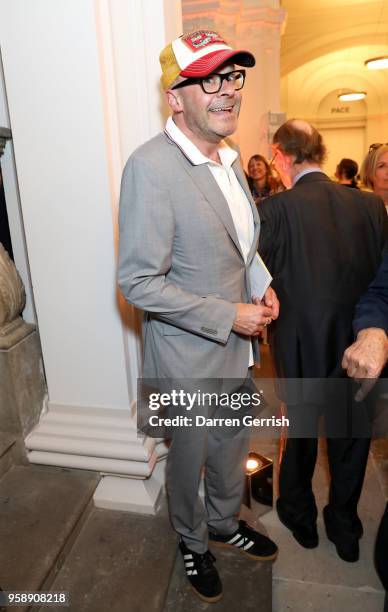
[(343, 142)]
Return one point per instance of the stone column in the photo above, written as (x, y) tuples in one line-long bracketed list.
[(22, 384), (12, 294), (12, 300)]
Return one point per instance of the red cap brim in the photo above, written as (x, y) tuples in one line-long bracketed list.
[(210, 62)]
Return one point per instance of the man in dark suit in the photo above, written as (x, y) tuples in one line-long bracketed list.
[(323, 244), (364, 360)]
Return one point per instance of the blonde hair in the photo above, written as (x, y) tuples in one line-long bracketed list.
[(368, 168)]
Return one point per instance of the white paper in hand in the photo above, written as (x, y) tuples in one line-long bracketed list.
[(259, 276)]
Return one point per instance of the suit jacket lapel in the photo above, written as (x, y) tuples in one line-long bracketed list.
[(256, 219), (207, 184)]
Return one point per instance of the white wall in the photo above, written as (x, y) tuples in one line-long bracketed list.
[(76, 113), (343, 142)]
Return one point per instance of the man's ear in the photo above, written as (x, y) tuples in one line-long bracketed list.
[(174, 101), (284, 163), (281, 160)]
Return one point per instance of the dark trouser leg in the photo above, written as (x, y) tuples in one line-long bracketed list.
[(296, 497), (347, 462), (381, 551)]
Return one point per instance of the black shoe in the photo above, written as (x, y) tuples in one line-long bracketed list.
[(202, 574), (305, 535), (347, 546), (2, 608), (358, 528), (250, 542)]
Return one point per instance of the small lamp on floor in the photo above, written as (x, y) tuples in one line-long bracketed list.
[(258, 480)]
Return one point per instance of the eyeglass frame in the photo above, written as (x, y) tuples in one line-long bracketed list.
[(199, 81), (275, 150), (272, 160)]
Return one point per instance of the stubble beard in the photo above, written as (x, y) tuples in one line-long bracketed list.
[(217, 131)]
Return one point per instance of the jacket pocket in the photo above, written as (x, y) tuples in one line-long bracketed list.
[(172, 330), (212, 294)]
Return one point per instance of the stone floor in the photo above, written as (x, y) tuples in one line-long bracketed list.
[(53, 538), (318, 580)]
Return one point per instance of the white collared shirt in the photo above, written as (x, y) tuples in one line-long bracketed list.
[(226, 179), (238, 203)]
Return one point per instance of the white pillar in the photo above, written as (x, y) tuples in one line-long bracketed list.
[(82, 88)]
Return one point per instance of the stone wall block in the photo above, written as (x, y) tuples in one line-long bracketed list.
[(12, 301), (22, 381)]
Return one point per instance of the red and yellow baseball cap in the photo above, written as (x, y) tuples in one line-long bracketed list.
[(198, 54)]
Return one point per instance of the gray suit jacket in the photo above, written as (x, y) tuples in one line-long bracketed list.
[(180, 261)]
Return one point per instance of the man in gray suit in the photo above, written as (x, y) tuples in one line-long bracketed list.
[(188, 235)]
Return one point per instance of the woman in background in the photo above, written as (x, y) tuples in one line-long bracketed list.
[(346, 172), (260, 179), (374, 170)]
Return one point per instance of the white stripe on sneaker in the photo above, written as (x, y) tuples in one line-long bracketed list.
[(189, 563), (247, 546), (192, 573), (187, 556), (233, 540), (240, 542)]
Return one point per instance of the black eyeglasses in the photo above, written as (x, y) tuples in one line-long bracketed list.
[(272, 160), (213, 82), (377, 145)]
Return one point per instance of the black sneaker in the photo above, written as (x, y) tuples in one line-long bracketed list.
[(252, 543), (202, 574)]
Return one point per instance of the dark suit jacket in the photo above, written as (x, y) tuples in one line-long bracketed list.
[(372, 309), (323, 244)]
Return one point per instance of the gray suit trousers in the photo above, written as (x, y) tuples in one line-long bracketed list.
[(223, 459)]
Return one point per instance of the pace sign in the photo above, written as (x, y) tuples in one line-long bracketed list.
[(340, 109)]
